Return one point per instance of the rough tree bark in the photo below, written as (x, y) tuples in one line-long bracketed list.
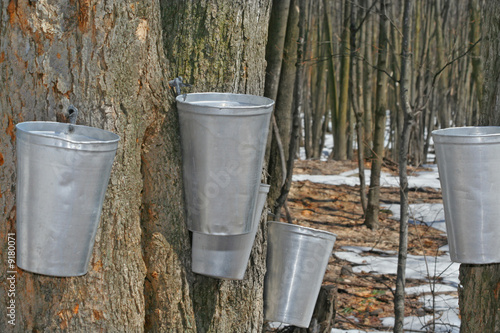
[(112, 60), (479, 294)]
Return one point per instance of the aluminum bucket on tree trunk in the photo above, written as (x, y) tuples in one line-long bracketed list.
[(62, 175), (296, 263), (469, 170), (223, 144), (226, 257)]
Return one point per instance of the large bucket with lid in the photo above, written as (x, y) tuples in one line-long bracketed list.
[(297, 258), (62, 176), (226, 257), (469, 170), (223, 144)]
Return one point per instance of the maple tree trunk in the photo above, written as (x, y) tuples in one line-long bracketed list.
[(112, 60)]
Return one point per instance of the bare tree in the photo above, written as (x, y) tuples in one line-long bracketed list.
[(404, 86), (372, 211)]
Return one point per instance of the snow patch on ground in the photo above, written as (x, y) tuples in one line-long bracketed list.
[(420, 179), (428, 214), (417, 267)]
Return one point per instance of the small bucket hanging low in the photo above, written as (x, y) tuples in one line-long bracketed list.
[(297, 258), (468, 161), (62, 176), (226, 257), (223, 144)]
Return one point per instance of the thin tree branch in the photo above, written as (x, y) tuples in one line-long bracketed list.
[(368, 12), (280, 148), (378, 69), (420, 108)]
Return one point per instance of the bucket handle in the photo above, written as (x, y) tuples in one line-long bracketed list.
[(73, 114)]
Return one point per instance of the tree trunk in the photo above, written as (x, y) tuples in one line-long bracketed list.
[(368, 86), (356, 93), (320, 114), (112, 60), (283, 107), (479, 297), (340, 131), (443, 111), (274, 57), (331, 80), (399, 296), (371, 219), (474, 36)]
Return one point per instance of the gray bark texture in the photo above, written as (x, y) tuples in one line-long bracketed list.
[(112, 60)]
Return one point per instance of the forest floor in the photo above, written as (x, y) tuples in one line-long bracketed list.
[(364, 262)]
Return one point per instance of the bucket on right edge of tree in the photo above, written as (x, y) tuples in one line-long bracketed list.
[(468, 161), (297, 258)]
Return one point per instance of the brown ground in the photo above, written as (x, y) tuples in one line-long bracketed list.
[(337, 209)]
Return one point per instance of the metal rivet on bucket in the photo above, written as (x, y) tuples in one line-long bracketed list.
[(227, 257), (297, 258), (469, 163), (62, 176), (223, 145)]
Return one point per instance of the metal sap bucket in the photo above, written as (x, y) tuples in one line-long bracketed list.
[(223, 144), (226, 257), (62, 175), (296, 263), (469, 163)]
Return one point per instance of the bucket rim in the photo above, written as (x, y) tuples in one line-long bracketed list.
[(309, 231), (197, 103), (113, 137), (467, 134)]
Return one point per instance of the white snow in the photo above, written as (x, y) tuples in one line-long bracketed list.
[(431, 214), (418, 180), (417, 267)]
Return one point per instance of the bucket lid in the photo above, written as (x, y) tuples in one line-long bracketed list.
[(467, 135), (293, 228), (60, 135), (224, 104)]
